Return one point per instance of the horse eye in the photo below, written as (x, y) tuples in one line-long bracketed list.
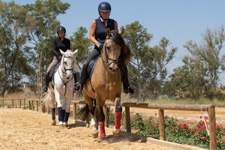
[(64, 62), (108, 47)]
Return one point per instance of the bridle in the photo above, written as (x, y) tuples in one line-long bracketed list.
[(107, 63), (64, 70)]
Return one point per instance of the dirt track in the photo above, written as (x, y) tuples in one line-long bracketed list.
[(27, 130)]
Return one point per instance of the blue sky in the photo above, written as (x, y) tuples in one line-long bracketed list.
[(177, 20)]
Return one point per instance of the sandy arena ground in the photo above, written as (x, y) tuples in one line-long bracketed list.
[(29, 130)]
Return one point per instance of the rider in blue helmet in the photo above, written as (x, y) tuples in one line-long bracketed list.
[(97, 35)]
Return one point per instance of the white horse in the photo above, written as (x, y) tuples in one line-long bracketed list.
[(61, 87)]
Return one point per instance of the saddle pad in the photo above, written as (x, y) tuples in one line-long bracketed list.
[(91, 67), (52, 72)]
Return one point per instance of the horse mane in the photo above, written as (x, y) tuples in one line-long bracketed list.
[(125, 51)]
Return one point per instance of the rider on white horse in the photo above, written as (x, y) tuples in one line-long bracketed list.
[(59, 43), (63, 44)]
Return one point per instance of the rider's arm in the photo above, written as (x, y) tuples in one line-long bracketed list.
[(116, 26), (54, 49), (92, 33)]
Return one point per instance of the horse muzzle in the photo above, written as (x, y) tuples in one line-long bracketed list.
[(69, 75), (113, 68)]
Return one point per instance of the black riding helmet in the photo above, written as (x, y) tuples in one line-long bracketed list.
[(61, 28), (104, 7)]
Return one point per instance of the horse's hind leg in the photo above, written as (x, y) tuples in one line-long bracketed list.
[(94, 125), (118, 116), (52, 99)]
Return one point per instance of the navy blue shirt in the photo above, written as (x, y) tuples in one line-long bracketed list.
[(100, 31), (58, 44)]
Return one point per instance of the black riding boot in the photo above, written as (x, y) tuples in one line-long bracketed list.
[(126, 86), (76, 76), (45, 88), (79, 85)]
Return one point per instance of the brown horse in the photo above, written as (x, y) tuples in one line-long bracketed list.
[(106, 83)]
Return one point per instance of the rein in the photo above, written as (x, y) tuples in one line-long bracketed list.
[(108, 58)]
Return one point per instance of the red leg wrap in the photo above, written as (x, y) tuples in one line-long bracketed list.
[(102, 129), (118, 116)]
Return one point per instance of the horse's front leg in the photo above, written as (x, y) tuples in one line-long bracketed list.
[(59, 106), (67, 110), (101, 118), (118, 116), (63, 108)]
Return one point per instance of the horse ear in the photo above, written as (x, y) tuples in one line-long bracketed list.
[(61, 52), (75, 52), (122, 31), (108, 32)]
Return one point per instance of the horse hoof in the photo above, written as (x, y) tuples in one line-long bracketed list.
[(95, 135), (53, 123), (116, 132), (104, 141), (60, 123), (65, 124), (87, 125)]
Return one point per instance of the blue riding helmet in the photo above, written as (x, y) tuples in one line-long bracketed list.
[(104, 7)]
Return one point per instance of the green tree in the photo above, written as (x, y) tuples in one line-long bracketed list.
[(42, 29), (200, 73), (14, 54), (82, 43), (147, 69)]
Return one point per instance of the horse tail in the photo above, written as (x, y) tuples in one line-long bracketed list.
[(46, 100), (84, 112)]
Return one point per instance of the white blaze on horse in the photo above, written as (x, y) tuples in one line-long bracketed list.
[(60, 89)]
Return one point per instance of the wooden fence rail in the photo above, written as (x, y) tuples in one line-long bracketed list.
[(31, 103), (160, 107), (13, 100)]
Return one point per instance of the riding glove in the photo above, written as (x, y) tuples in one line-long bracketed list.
[(100, 45)]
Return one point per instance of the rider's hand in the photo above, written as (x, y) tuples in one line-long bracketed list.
[(100, 45)]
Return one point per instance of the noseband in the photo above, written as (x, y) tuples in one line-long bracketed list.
[(116, 61)]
